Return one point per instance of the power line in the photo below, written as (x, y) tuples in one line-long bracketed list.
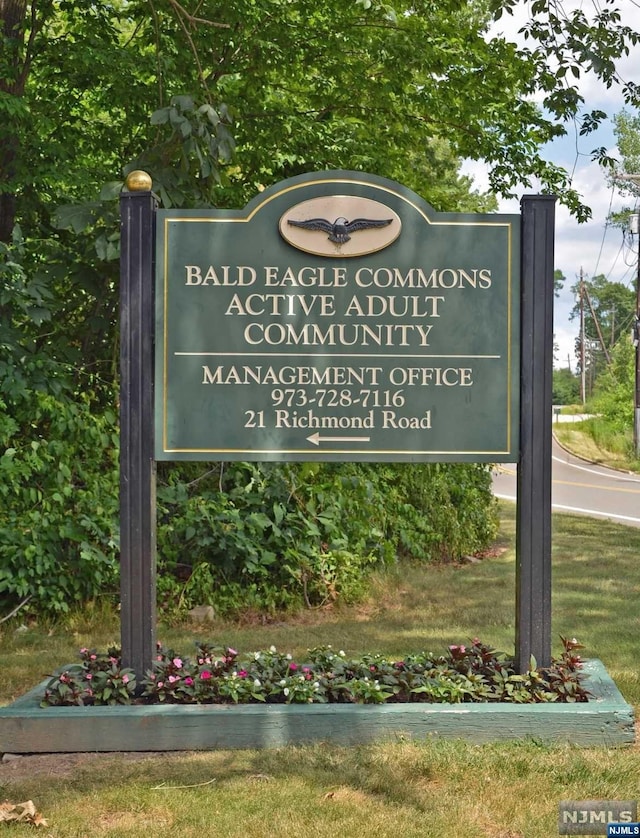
[(606, 227)]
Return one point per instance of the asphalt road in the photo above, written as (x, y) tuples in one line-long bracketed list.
[(581, 488)]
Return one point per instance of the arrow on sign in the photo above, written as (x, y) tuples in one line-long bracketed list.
[(316, 439)]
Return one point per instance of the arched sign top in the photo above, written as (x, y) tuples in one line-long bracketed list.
[(342, 183)]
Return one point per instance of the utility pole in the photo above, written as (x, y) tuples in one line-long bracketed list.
[(635, 333), (636, 342), (613, 327), (583, 388), (597, 325), (635, 179)]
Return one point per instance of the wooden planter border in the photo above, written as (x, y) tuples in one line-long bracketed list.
[(25, 727)]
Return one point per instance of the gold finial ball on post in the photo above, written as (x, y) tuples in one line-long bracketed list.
[(138, 181)]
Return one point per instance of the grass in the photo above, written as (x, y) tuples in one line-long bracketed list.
[(508, 790), (418, 791), (594, 442)]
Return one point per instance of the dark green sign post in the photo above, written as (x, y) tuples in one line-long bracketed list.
[(337, 317)]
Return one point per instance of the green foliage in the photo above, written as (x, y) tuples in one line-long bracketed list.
[(59, 490), (188, 164), (222, 101), (610, 303), (100, 679), (613, 403), (627, 130), (613, 398), (240, 536), (439, 511), (566, 387), (476, 673), (275, 536)]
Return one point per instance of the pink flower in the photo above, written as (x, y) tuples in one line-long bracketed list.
[(188, 682), (172, 679), (125, 679), (242, 673), (88, 676), (293, 666), (160, 685), (231, 651), (177, 662), (204, 676)]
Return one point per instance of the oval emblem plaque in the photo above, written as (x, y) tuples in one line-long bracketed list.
[(340, 225)]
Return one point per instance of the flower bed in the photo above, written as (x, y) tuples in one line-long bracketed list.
[(465, 674)]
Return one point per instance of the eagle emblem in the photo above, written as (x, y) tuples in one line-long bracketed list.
[(339, 230)]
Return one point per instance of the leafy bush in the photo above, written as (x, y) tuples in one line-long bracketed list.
[(220, 676), (263, 537), (566, 387), (273, 536), (239, 536), (613, 401), (439, 511), (59, 501)]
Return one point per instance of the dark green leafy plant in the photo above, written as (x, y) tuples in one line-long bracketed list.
[(99, 679)]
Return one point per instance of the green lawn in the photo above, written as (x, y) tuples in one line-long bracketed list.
[(411, 789)]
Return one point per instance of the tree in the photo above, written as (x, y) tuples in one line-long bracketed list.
[(566, 387), (627, 130), (342, 84), (608, 310), (610, 307), (218, 101), (613, 396)]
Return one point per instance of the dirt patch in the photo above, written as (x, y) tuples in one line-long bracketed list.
[(15, 769)]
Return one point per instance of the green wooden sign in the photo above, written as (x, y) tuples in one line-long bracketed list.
[(337, 317)]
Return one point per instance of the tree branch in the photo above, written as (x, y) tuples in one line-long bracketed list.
[(182, 12)]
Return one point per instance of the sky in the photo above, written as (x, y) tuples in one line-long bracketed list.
[(594, 247)]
